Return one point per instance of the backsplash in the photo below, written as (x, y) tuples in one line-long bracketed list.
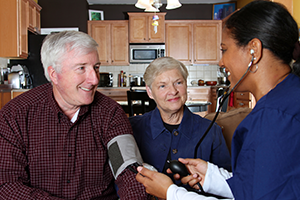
[(205, 72)]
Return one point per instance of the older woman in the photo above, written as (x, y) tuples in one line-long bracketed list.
[(171, 130), (258, 44)]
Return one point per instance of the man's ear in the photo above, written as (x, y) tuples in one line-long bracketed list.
[(52, 74), (149, 92)]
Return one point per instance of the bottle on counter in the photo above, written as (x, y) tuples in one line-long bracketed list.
[(124, 79), (121, 79)]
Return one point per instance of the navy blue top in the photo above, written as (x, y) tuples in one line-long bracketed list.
[(155, 141), (266, 146)]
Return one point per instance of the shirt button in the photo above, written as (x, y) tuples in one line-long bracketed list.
[(68, 181), (174, 151), (69, 154), (175, 133)]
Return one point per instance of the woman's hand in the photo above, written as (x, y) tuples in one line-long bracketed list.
[(197, 169), (155, 183)]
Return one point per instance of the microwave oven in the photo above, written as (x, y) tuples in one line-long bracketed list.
[(145, 53)]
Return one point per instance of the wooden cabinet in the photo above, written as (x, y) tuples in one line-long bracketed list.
[(4, 98), (15, 16), (200, 94), (194, 41), (242, 99), (179, 40), (117, 94), (112, 38), (34, 17), (142, 31), (288, 4)]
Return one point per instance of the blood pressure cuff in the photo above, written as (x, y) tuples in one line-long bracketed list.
[(123, 151)]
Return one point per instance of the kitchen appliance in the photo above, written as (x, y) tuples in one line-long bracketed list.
[(19, 77), (136, 80), (145, 53), (222, 77), (106, 79), (4, 75)]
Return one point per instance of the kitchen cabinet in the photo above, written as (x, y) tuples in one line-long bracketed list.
[(15, 16), (34, 18), (112, 38), (117, 94), (142, 31), (202, 93), (4, 98), (194, 41), (287, 3), (242, 99)]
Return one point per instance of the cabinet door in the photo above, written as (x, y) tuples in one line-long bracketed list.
[(159, 36), (5, 97), (14, 24), (287, 3), (207, 40), (179, 41), (23, 25), (119, 43), (100, 31), (34, 17), (138, 29), (112, 38), (142, 31)]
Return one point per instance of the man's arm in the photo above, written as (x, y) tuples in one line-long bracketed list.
[(14, 171)]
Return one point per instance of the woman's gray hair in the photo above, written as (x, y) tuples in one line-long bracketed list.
[(57, 45), (160, 65)]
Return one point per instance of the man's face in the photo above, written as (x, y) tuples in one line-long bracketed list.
[(77, 81)]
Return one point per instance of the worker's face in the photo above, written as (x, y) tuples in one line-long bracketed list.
[(234, 58), (169, 90), (76, 83)]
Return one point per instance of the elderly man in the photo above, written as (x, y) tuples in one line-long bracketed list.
[(54, 139)]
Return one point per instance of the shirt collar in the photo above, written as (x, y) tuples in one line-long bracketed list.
[(57, 110), (184, 128)]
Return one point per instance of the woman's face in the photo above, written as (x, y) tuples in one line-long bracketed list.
[(169, 90), (235, 59)]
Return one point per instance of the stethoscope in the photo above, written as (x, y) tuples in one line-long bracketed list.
[(222, 100)]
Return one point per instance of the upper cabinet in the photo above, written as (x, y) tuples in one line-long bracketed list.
[(112, 38), (194, 41), (142, 31), (17, 17)]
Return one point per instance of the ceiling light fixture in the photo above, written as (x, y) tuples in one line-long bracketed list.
[(154, 5)]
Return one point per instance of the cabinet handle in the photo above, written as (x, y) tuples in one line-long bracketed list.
[(241, 94), (107, 61), (241, 104), (149, 38), (144, 38), (112, 61)]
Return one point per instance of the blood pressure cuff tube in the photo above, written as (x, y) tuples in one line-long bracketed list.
[(123, 151)]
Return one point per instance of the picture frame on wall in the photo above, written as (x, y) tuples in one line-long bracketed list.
[(96, 15), (222, 10)]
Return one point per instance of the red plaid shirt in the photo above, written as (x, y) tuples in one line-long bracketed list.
[(45, 156)]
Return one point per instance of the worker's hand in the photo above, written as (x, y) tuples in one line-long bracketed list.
[(155, 183), (197, 169)]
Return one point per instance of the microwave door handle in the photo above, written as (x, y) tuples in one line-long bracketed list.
[(158, 53)]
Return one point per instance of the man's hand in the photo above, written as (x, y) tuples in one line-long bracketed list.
[(155, 183)]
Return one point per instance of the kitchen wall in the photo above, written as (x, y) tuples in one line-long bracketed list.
[(74, 13), (187, 11), (204, 72)]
